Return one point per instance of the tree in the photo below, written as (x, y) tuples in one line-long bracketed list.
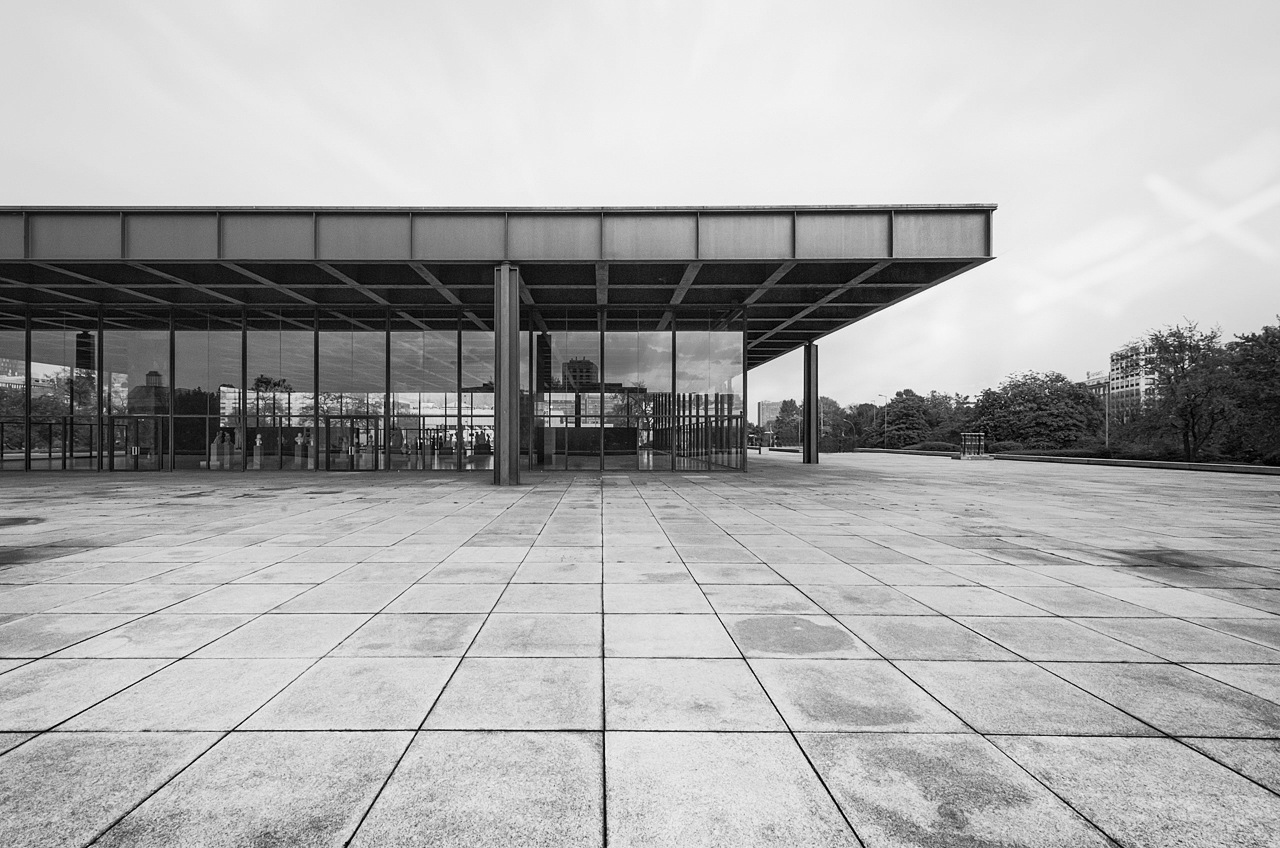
[(908, 423), (1191, 400), (867, 421), (1039, 410), (836, 430), (1255, 392), (946, 416), (786, 426)]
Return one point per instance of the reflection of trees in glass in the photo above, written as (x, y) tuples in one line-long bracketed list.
[(272, 396)]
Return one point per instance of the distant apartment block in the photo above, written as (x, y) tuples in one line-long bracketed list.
[(767, 410), (1131, 381)]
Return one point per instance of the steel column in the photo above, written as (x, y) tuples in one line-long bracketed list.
[(313, 449), (811, 412), (387, 417), (172, 399), (506, 373), (242, 436), (26, 396)]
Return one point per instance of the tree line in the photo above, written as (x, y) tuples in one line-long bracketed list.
[(1210, 400)]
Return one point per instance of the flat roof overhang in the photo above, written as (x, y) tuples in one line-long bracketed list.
[(793, 273)]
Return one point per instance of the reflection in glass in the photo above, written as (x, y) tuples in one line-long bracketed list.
[(352, 398), (637, 392), (13, 404), (64, 398), (566, 407), (208, 428), (476, 410), (424, 400), (136, 383), (280, 400), (708, 405)]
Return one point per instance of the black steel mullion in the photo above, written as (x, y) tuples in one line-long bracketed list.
[(101, 363), (386, 394), (457, 391), (315, 389), (173, 394), (244, 389), (26, 395), (745, 397), (600, 325), (673, 407)]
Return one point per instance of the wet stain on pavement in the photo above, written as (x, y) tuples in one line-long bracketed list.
[(789, 634)]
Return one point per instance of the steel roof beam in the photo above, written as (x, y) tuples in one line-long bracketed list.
[(186, 283), (770, 281), (433, 281), (690, 273), (271, 284), (101, 283), (338, 275), (865, 275)]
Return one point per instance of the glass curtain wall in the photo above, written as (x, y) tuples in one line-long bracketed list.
[(208, 428), (637, 394), (13, 393), (476, 424), (353, 394), (709, 414), (424, 399), (634, 397), (64, 431), (565, 375), (280, 397), (278, 390), (136, 383)]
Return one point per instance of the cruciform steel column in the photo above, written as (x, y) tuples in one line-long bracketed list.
[(811, 411), (506, 374)]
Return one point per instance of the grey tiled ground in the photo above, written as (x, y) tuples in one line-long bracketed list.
[(882, 651)]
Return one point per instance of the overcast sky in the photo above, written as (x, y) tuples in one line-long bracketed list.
[(1134, 148)]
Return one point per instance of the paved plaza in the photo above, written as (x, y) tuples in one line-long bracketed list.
[(881, 650)]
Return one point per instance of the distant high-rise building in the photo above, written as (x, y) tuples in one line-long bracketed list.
[(580, 375), (1131, 381), (767, 410), (546, 381)]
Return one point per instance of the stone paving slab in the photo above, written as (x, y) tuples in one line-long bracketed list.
[(880, 650)]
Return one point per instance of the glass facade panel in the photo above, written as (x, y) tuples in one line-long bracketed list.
[(709, 412), (136, 388), (136, 370), (477, 402), (13, 397), (637, 390), (65, 402), (567, 402), (208, 426), (424, 400), (352, 398), (280, 399)]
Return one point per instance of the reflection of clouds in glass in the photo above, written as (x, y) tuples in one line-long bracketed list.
[(638, 359), (424, 361), (477, 359), (282, 355), (352, 362), (708, 362)]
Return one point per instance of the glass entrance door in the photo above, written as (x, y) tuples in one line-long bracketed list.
[(137, 442), (352, 442)]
